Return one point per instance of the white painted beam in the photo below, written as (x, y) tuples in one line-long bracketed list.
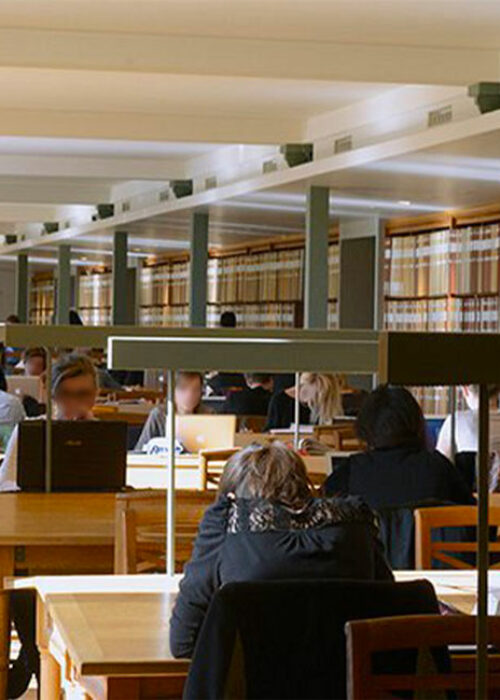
[(197, 127), (85, 167), (239, 56)]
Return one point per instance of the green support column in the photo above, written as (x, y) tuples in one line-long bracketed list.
[(360, 303), (22, 287), (63, 284), (119, 312), (316, 262), (198, 270)]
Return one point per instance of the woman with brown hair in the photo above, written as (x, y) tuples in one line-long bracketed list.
[(268, 524)]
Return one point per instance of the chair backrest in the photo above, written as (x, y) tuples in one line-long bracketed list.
[(339, 436), (254, 424), (428, 548), (212, 463), (140, 528), (365, 638), (285, 639)]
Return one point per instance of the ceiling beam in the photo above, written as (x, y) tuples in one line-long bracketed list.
[(38, 191), (85, 167), (251, 57), (149, 127)]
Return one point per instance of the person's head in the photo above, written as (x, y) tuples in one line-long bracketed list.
[(254, 380), (74, 386), (271, 471), (13, 318), (471, 394), (228, 319), (34, 362), (391, 417), (322, 394), (188, 391), (74, 318)]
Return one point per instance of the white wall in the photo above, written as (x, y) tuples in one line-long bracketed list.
[(7, 289)]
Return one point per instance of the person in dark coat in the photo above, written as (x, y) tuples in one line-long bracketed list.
[(268, 524), (397, 468), (253, 400)]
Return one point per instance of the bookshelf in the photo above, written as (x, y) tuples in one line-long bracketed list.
[(262, 285), (42, 299), (94, 297), (443, 277)]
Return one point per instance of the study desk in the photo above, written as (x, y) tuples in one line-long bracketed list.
[(109, 634), (149, 471), (54, 533)]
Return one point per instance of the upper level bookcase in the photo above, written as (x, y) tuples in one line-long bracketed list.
[(262, 284)]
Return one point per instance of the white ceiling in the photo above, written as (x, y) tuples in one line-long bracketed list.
[(103, 99)]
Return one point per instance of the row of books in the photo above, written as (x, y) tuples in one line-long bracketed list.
[(42, 301), (468, 314), (94, 290), (278, 315), (252, 277), (464, 260)]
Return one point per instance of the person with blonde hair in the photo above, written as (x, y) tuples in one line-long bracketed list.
[(322, 394), (320, 397), (268, 523)]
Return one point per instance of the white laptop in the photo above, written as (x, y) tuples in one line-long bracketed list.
[(20, 386)]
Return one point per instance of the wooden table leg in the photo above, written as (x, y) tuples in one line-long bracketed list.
[(50, 677), (6, 569)]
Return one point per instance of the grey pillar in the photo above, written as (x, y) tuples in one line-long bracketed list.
[(198, 270), (22, 288), (63, 302), (316, 259), (361, 277), (119, 313)]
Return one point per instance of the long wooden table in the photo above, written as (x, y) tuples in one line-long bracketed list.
[(109, 634), (149, 471), (53, 533)]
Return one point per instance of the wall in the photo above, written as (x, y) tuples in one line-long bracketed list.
[(7, 289)]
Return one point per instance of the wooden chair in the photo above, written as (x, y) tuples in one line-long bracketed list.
[(212, 463), (385, 634), (428, 519), (252, 424), (339, 436), (140, 528)]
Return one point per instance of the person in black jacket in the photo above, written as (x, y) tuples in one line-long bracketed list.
[(396, 469), (267, 524), (253, 400)]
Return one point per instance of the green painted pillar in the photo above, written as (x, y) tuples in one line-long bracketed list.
[(198, 262), (63, 303), (316, 259), (22, 288), (119, 312)]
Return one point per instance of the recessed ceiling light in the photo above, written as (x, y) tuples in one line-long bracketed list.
[(404, 202)]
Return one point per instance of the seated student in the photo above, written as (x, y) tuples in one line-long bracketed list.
[(467, 431), (34, 361), (268, 524), (74, 391), (254, 399), (397, 468), (188, 400), (320, 401), (11, 412), (221, 383)]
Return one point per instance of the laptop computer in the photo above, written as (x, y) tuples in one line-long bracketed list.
[(86, 456), (25, 386), (202, 432)]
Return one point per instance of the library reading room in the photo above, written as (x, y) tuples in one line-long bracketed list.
[(249, 349)]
